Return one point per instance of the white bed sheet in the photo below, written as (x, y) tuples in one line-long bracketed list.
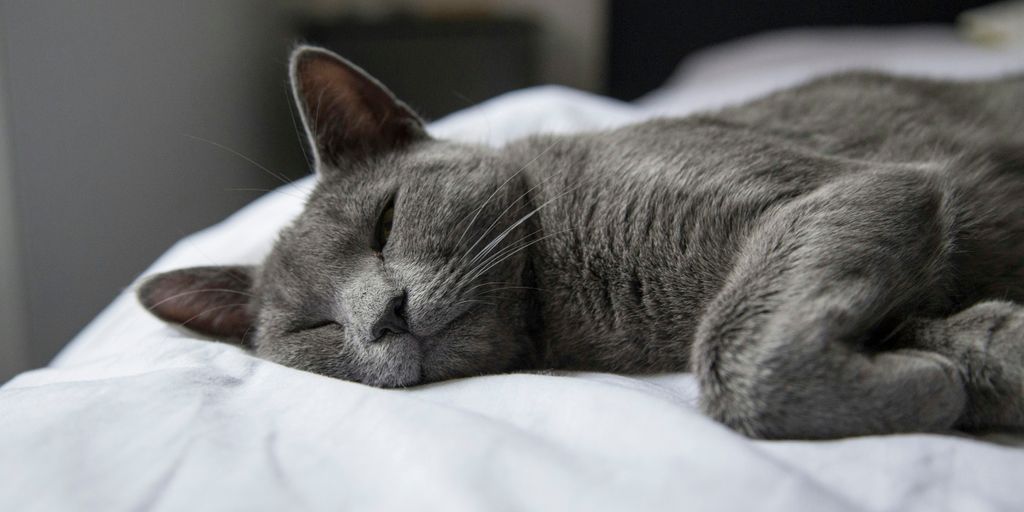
[(136, 415)]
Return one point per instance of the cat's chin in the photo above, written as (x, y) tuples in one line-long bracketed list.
[(401, 362), (395, 380)]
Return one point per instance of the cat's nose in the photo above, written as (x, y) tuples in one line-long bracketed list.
[(392, 319)]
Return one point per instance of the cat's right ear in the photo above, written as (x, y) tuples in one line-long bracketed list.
[(348, 115), (214, 301)]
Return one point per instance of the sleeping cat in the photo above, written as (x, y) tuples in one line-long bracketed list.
[(841, 258)]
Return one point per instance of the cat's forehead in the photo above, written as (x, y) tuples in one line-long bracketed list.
[(419, 168), (437, 160)]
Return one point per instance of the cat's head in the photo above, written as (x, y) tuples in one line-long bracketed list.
[(409, 263)]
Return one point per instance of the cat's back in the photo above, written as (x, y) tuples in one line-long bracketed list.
[(789, 143), (866, 116), (876, 116)]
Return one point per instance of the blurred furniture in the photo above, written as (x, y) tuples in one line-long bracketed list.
[(437, 66)]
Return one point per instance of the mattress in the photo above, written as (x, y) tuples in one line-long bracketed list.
[(135, 414)]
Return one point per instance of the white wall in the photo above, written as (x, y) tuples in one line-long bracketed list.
[(101, 95), (13, 348)]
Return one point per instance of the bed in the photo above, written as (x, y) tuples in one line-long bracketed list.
[(137, 415)]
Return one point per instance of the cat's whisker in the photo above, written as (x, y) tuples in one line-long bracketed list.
[(193, 292), (488, 200), (195, 247), (485, 284), (477, 273), (316, 114), (497, 298), (482, 271), (245, 336), (296, 128), (493, 245), (501, 236), (468, 102), (497, 239), (502, 214), (466, 301), (512, 288), (280, 177), (207, 310), (503, 250), (268, 190)]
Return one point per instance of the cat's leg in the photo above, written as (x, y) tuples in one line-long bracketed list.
[(788, 348), (986, 341)]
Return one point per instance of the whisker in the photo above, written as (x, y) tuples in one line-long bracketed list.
[(505, 233), (488, 200), (497, 298), (492, 245), (511, 288), (207, 310), (195, 247), (503, 257), (316, 122), (245, 336), (279, 177), (487, 118), (269, 190), (485, 284), (491, 257), (295, 126), (506, 210), (478, 273), (205, 290), (474, 301)]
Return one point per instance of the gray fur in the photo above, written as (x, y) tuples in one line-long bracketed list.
[(824, 259)]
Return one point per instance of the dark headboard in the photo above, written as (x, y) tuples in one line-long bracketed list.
[(648, 38)]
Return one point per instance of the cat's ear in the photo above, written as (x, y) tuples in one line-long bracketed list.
[(348, 115), (214, 301)]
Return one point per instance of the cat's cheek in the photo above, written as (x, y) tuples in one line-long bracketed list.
[(473, 346), (308, 351)]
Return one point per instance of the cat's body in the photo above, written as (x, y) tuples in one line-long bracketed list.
[(657, 213), (802, 254)]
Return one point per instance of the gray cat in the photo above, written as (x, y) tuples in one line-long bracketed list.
[(841, 258)]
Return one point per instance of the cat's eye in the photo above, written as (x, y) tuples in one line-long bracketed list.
[(312, 326), (384, 224)]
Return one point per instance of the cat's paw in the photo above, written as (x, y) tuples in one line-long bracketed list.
[(993, 327), (988, 341)]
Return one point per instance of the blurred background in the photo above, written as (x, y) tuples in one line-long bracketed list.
[(128, 124)]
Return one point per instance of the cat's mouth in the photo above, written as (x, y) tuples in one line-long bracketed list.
[(401, 358)]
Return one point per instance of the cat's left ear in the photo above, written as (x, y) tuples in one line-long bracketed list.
[(348, 115), (214, 301)]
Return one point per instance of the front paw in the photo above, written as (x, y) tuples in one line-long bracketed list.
[(988, 341)]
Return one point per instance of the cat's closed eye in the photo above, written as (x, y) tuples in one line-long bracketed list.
[(384, 225), (315, 325)]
